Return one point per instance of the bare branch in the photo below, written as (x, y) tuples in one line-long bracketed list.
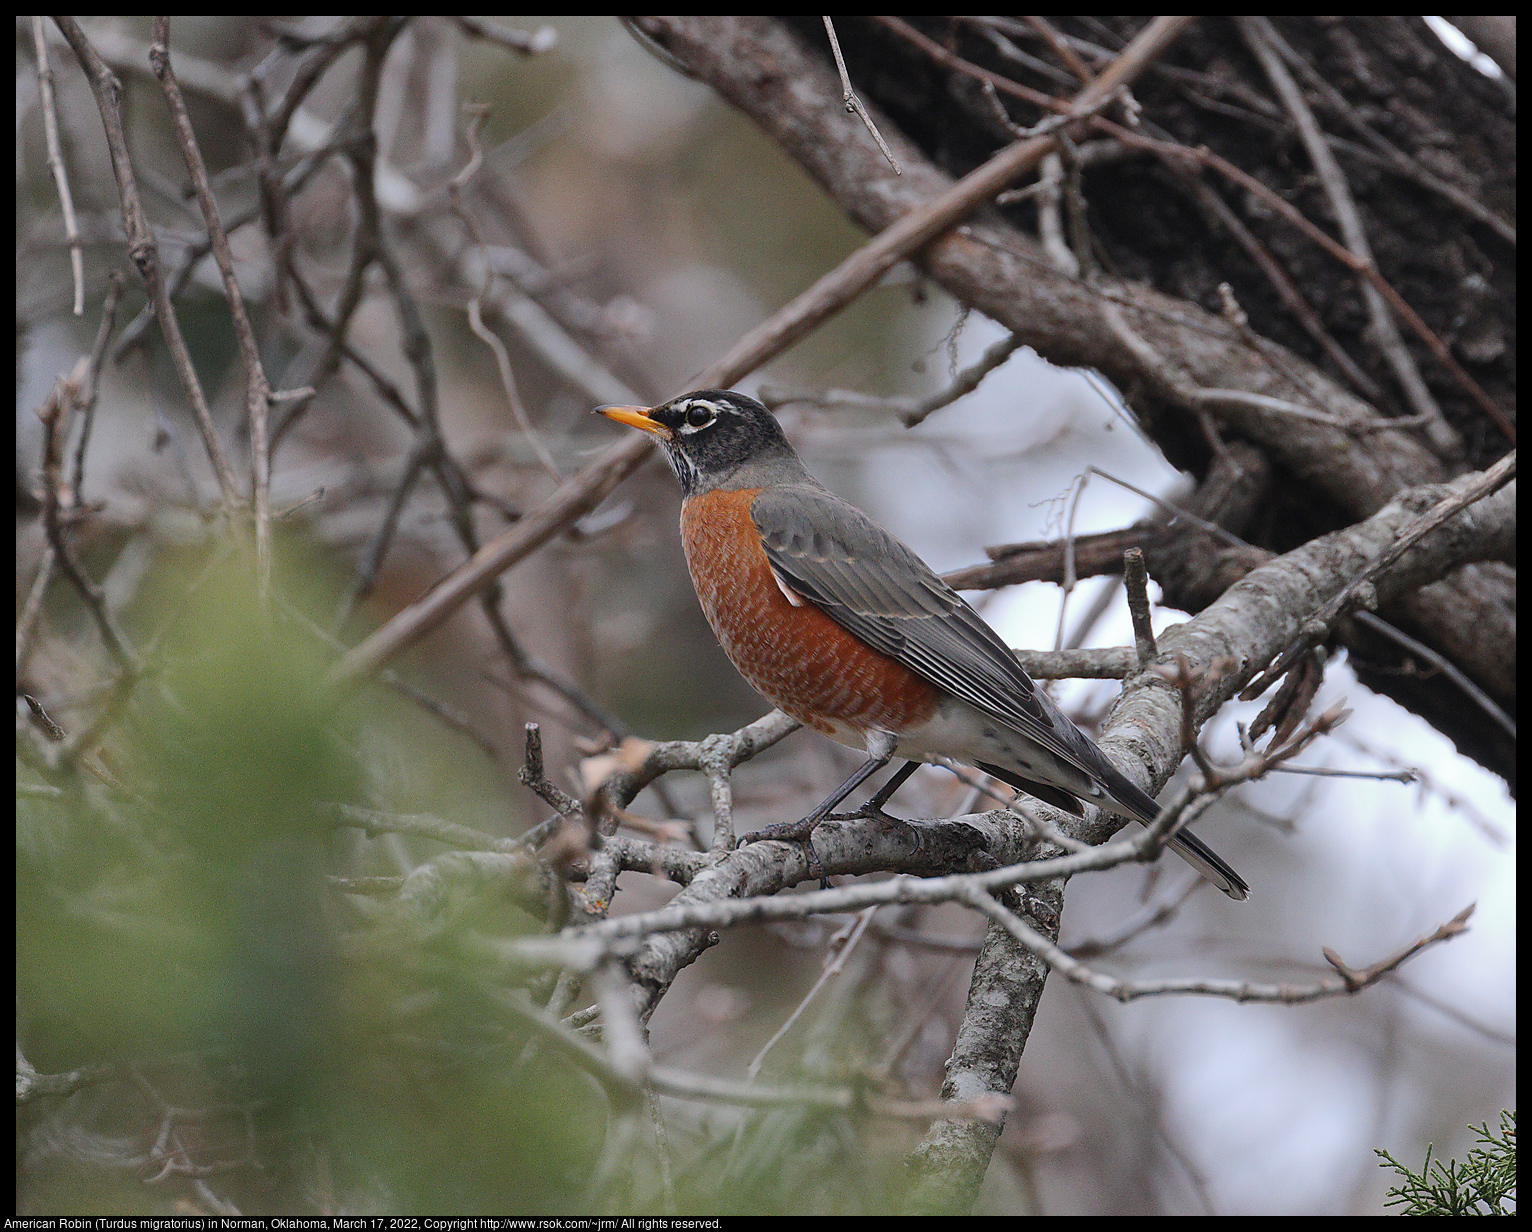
[(56, 162), (1350, 982)]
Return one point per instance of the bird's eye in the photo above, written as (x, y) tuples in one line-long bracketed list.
[(699, 415)]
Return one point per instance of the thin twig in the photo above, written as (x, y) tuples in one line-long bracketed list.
[(180, 277), (71, 487), (543, 39), (853, 103), (257, 388), (448, 715), (1443, 665), (31, 609), (1287, 291), (1150, 915), (939, 53), (1136, 582), (1050, 226), (533, 776), (56, 162), (144, 249), (1061, 47), (1070, 575), (911, 411), (1208, 400), (420, 825), (680, 1084), (116, 287), (54, 413), (383, 534), (990, 28), (331, 47), (966, 381), (508, 386), (842, 948), (1349, 982), (455, 189)]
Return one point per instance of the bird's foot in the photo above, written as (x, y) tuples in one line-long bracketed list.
[(785, 831), (800, 831), (873, 811)]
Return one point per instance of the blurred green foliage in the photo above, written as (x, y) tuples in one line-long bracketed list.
[(184, 930)]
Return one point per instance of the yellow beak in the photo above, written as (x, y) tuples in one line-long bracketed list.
[(635, 417)]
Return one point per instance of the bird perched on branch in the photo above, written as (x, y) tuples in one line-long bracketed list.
[(840, 625)]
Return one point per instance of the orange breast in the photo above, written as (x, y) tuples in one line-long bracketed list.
[(796, 656)]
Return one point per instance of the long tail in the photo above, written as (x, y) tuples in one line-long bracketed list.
[(1126, 793), (1207, 862)]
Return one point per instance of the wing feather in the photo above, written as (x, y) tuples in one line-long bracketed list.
[(870, 584)]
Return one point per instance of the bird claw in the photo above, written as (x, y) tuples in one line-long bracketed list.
[(800, 831), (784, 831), (871, 812)]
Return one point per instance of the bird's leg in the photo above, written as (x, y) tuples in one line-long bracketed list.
[(874, 806), (880, 751), (799, 831)]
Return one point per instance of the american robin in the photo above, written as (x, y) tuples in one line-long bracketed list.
[(839, 624)]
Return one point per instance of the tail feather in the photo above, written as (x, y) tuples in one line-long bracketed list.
[(1207, 862), (1130, 797)]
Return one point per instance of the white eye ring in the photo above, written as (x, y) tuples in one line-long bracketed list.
[(691, 424)]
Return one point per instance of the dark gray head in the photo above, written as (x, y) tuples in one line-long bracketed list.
[(716, 438)]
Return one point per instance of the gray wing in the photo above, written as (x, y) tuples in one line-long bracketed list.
[(870, 584)]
